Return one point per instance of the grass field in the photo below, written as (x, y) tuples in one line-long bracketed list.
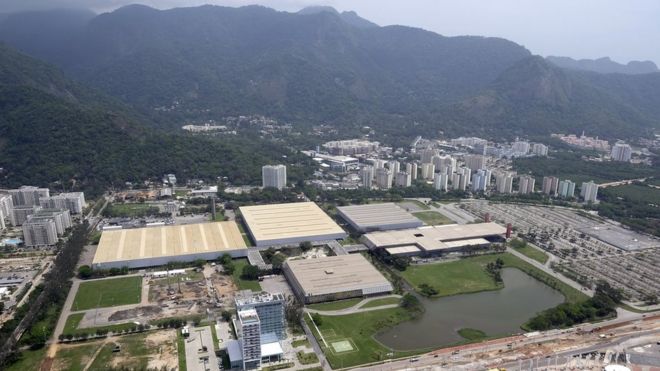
[(29, 360), (335, 305), (379, 302), (533, 253), (433, 218), (75, 358), (419, 204), (469, 275), (353, 336), (181, 351), (108, 293), (299, 343), (241, 283), (130, 210), (472, 334), (72, 322)]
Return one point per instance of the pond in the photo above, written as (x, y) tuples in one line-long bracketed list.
[(499, 312)]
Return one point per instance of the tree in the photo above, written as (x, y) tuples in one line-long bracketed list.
[(277, 260), (199, 263), (226, 315), (318, 320), (411, 303), (306, 246), (250, 272), (85, 272)]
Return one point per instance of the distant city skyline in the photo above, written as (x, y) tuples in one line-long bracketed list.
[(588, 29)]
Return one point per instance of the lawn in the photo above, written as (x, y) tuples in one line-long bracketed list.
[(108, 293), (181, 351), (533, 253), (469, 275), (75, 358), (433, 218), (452, 278), (130, 210), (28, 360), (353, 335), (335, 305), (72, 322), (241, 283), (382, 301), (419, 204)]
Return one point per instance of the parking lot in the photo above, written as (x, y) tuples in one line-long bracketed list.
[(586, 248)]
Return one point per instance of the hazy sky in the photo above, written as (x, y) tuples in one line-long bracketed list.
[(623, 29)]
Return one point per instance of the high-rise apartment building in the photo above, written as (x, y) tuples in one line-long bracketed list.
[(274, 176), (269, 307), (403, 179), (40, 232), (20, 214), (366, 176), (504, 182), (73, 201), (589, 191), (440, 181), (426, 155), (526, 184), (539, 149), (411, 168), (621, 152), (566, 189), (6, 206), (28, 195), (475, 162), (520, 147), (481, 180), (384, 178), (394, 166), (428, 169), (62, 218), (550, 185)]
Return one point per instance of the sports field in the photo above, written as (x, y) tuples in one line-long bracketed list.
[(108, 293)]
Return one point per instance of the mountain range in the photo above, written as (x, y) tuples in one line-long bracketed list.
[(132, 74), (605, 65)]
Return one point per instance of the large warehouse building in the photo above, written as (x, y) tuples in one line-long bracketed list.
[(435, 239), (282, 224), (334, 278), (153, 246), (378, 217)]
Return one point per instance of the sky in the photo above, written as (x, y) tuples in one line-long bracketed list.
[(624, 30)]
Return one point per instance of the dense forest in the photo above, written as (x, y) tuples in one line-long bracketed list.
[(319, 66)]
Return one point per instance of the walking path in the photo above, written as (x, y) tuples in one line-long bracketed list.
[(357, 307)]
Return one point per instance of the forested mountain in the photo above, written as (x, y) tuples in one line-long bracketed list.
[(321, 66), (54, 131), (605, 65), (534, 97)]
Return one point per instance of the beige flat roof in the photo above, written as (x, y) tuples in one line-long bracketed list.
[(434, 237), (383, 214), (280, 222), (172, 240), (335, 274), (402, 250)]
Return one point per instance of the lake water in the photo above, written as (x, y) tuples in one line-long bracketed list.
[(499, 312)]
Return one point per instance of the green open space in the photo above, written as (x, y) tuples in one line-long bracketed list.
[(469, 275), (350, 338), (73, 321), (28, 360), (529, 251), (181, 351), (134, 353), (379, 302), (130, 210), (419, 204), (75, 358), (240, 282), (433, 218), (335, 305), (472, 334), (108, 293)]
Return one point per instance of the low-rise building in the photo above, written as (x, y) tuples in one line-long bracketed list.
[(378, 217)]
